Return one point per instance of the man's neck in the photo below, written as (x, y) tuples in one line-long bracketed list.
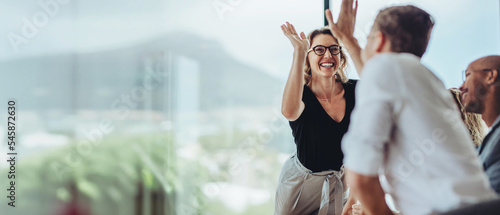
[(491, 112)]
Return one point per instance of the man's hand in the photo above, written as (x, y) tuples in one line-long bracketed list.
[(368, 191), (357, 209), (344, 28), (348, 205)]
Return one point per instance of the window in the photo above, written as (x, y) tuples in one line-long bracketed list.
[(170, 106), (464, 31)]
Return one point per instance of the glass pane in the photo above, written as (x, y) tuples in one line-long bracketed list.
[(465, 30), (147, 107)]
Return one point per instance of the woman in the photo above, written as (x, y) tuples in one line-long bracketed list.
[(318, 100), (473, 121)]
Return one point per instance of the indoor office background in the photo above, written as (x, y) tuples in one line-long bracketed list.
[(160, 107)]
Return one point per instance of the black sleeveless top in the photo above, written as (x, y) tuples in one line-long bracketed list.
[(317, 135)]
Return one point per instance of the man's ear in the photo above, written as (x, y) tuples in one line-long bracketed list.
[(380, 42), (492, 77)]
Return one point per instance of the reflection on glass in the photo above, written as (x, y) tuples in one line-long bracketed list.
[(150, 107)]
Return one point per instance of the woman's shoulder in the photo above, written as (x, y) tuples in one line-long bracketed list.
[(351, 83), (350, 88), (307, 91)]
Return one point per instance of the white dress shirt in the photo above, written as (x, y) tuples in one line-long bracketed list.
[(407, 127)]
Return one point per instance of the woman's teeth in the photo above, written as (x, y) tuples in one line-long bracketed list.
[(326, 64)]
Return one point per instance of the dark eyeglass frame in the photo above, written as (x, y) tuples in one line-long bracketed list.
[(329, 48), (464, 72)]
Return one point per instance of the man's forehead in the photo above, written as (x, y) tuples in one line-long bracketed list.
[(488, 62), (475, 64)]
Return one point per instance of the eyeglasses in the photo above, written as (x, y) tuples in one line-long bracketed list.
[(321, 50), (464, 73)]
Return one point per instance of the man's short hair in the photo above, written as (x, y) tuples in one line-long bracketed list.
[(407, 28)]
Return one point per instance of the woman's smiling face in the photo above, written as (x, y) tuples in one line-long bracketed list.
[(326, 64)]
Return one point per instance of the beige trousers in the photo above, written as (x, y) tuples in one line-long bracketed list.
[(301, 191)]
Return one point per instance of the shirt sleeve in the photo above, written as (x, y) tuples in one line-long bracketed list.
[(372, 118), (493, 173), (493, 164)]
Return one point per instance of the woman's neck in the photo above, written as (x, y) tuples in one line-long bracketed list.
[(326, 88)]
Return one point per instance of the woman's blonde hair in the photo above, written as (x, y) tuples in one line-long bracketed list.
[(473, 121), (341, 70)]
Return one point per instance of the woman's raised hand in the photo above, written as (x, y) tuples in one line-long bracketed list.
[(300, 43)]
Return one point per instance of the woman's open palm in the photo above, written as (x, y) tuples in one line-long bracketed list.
[(300, 43)]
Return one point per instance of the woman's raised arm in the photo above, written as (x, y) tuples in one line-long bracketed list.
[(291, 104)]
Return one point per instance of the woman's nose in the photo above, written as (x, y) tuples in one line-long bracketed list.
[(328, 54)]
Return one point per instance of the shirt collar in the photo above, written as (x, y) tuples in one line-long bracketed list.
[(496, 121)]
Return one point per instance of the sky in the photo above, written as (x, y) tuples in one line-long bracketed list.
[(249, 30), (464, 30)]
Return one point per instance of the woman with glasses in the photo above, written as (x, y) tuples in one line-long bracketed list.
[(318, 100)]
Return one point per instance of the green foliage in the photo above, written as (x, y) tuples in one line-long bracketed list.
[(107, 174), (108, 171)]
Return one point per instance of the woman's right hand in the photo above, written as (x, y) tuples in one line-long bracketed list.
[(300, 43), (292, 105)]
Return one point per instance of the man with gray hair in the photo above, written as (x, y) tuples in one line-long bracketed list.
[(405, 125)]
